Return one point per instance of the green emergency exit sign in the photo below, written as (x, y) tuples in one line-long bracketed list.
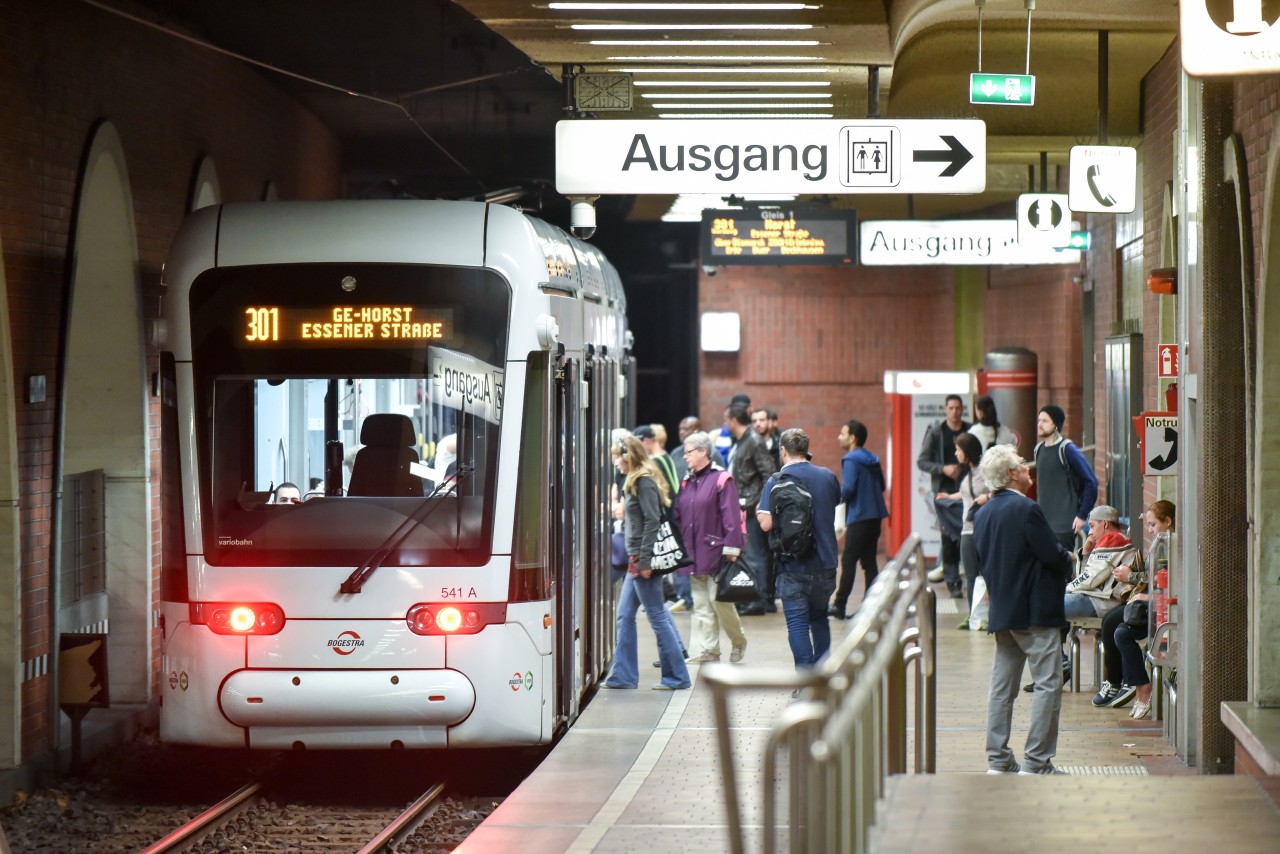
[(1016, 89)]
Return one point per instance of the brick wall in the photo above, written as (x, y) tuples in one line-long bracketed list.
[(817, 340), (1160, 123), (67, 67), (1039, 308)]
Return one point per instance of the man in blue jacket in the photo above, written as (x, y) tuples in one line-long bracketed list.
[(862, 491), (1026, 570), (805, 583)]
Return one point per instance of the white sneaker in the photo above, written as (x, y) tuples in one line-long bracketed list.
[(1046, 771), (937, 574)]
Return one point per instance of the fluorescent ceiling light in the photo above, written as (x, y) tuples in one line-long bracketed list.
[(702, 43), (620, 27), (711, 58), (680, 7), (816, 69), (738, 95), (751, 84), (745, 115), (698, 106)]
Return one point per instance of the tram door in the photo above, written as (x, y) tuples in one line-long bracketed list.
[(598, 598), (564, 539)]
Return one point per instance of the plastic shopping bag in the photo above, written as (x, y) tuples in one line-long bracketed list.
[(981, 607)]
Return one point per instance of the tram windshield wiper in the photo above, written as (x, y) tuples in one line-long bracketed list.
[(355, 581)]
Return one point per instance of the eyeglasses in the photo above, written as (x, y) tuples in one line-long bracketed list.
[(688, 451)]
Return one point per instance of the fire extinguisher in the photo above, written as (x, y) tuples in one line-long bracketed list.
[(1162, 595)]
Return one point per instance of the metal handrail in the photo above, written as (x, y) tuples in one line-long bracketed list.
[(848, 730)]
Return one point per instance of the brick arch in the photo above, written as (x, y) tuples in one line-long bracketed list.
[(205, 189), (104, 411)]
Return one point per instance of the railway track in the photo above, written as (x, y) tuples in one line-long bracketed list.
[(250, 819)]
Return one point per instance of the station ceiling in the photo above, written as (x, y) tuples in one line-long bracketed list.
[(464, 95)]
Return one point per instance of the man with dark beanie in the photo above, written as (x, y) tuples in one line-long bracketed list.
[(1066, 487)]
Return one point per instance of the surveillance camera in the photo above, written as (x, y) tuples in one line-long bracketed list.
[(708, 269), (582, 216)]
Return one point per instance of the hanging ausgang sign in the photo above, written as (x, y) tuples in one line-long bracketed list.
[(977, 242), (771, 156)]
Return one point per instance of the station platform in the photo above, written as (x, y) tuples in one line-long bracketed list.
[(640, 772)]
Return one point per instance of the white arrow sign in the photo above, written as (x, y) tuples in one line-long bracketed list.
[(771, 156)]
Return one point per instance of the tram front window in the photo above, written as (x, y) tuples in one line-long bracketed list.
[(392, 445)]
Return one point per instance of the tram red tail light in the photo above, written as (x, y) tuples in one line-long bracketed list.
[(238, 618), (426, 618)]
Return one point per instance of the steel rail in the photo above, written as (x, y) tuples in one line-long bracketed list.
[(205, 821), (405, 822)]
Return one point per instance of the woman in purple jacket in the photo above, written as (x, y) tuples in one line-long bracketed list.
[(710, 522)]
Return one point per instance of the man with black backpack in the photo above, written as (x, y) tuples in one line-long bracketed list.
[(797, 510), (1066, 487)]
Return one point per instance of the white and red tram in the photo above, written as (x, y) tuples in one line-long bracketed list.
[(439, 380)]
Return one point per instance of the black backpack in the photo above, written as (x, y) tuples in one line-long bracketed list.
[(791, 506)]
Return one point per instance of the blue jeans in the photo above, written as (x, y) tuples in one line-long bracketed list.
[(684, 590), (1078, 605), (637, 591), (804, 598)]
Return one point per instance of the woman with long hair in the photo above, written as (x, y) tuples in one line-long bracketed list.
[(1159, 519), (972, 494), (644, 491), (987, 426)]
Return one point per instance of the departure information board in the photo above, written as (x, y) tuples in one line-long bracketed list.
[(345, 325), (778, 236)]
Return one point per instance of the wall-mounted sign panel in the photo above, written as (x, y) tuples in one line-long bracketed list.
[(771, 156), (975, 242), (1103, 179), (1158, 433), (778, 236), (1012, 89), (1229, 37)]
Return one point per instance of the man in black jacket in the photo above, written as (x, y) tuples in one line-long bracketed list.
[(938, 457), (1026, 571), (751, 464)]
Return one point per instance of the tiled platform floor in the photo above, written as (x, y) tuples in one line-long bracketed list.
[(639, 773)]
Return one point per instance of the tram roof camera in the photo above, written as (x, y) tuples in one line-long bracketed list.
[(582, 216)]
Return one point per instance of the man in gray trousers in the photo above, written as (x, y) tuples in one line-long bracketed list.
[(1026, 570)]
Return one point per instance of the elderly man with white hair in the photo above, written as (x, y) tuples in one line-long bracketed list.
[(1026, 570)]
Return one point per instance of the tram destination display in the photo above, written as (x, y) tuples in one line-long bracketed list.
[(778, 236), (265, 326)]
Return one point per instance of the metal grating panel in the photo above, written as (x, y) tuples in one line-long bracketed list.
[(1105, 770), (1224, 557)]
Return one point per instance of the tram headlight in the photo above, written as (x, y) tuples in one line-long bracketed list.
[(242, 618), (426, 618), (449, 619), (238, 618)]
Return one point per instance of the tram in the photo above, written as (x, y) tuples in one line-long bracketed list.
[(439, 380)]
